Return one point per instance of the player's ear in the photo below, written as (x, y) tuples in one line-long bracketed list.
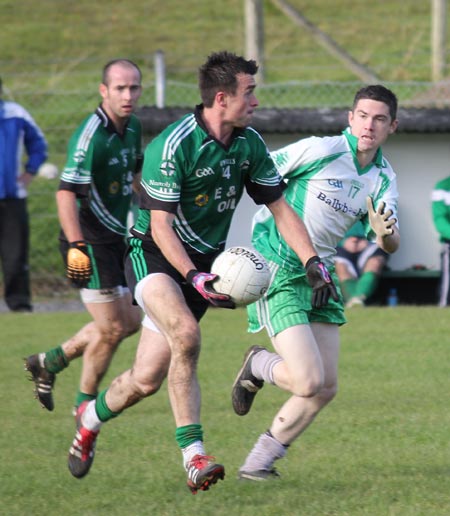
[(394, 125), (350, 117), (221, 98), (103, 89)]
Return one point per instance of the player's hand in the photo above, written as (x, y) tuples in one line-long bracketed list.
[(79, 268), (380, 220), (320, 280), (202, 282)]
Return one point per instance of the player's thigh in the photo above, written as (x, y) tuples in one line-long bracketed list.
[(300, 352), (112, 311), (166, 306)]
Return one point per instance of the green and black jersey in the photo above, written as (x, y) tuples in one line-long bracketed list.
[(100, 168), (189, 173)]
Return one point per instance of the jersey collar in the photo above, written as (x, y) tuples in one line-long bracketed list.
[(353, 143), (108, 124), (237, 131)]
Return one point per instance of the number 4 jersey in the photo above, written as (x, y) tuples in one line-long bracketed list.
[(189, 173)]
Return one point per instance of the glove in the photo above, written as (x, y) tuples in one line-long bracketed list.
[(320, 280), (379, 220), (79, 268), (202, 282)]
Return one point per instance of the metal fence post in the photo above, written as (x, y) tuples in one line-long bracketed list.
[(160, 79)]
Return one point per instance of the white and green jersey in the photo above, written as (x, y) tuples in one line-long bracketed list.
[(440, 208), (100, 168), (328, 190), (189, 173)]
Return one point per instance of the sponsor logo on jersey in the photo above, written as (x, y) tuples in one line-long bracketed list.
[(245, 165), (204, 172), (167, 168), (201, 200), (337, 205), (114, 187), (79, 155)]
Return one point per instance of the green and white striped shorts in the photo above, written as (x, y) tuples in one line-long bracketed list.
[(288, 303)]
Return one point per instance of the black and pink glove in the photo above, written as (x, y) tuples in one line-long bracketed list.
[(320, 280), (202, 282)]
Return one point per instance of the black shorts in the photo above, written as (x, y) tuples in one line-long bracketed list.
[(107, 264), (144, 259)]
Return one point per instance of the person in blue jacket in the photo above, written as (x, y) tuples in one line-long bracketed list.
[(18, 131)]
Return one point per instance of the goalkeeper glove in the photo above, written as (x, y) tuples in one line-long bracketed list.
[(202, 282), (379, 220), (79, 268), (320, 280)]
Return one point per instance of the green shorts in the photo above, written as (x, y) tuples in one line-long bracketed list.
[(288, 303)]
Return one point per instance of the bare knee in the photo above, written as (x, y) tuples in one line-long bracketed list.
[(143, 389), (186, 342), (307, 387)]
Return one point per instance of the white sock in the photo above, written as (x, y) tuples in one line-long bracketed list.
[(89, 419), (196, 448), (264, 453), (263, 363)]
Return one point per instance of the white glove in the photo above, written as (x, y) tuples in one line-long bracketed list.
[(380, 220)]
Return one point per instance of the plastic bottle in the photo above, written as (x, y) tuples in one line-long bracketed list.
[(392, 299)]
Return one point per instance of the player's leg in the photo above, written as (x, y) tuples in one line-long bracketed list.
[(143, 379), (299, 411), (444, 282), (113, 320), (182, 332), (15, 238)]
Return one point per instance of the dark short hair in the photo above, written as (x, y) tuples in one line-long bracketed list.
[(125, 62), (380, 93), (219, 74)]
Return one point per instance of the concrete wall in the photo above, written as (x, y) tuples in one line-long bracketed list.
[(419, 161)]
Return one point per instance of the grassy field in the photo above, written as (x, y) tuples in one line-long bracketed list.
[(381, 448)]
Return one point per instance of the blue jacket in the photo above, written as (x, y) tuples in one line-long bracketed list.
[(18, 130)]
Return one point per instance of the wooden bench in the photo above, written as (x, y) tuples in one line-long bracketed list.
[(414, 287)]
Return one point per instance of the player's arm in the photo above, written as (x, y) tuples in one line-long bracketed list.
[(68, 215), (292, 229), (294, 232), (79, 268), (173, 250)]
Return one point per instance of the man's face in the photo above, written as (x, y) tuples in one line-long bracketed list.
[(121, 94), (371, 123), (241, 105)]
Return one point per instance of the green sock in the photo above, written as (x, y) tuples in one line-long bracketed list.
[(366, 284), (348, 288), (103, 412), (55, 360), (82, 396), (186, 435)]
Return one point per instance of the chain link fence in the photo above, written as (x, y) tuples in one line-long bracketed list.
[(59, 94)]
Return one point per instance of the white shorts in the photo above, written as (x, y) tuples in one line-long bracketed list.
[(105, 295), (147, 321)]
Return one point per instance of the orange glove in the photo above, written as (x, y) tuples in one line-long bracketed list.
[(79, 268)]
